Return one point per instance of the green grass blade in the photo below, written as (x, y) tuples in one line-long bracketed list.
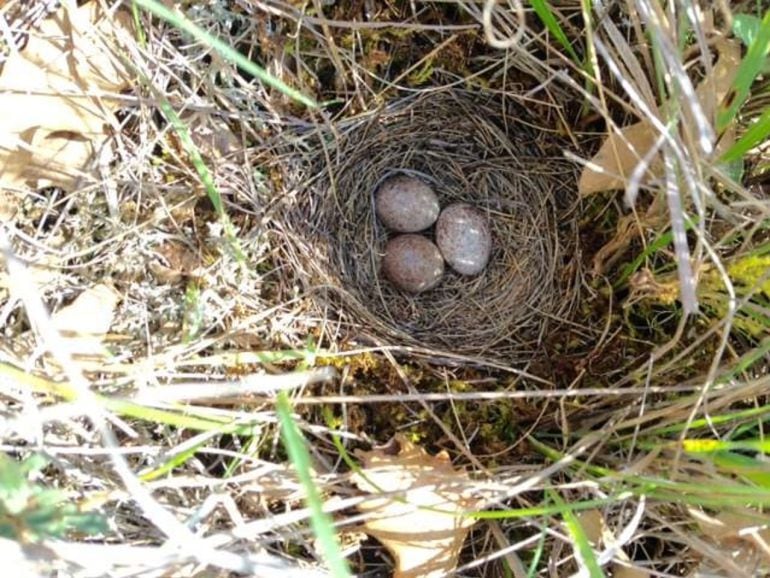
[(583, 547), (194, 311), (753, 469), (702, 493), (182, 418), (169, 465), (241, 358), (758, 132), (547, 510), (178, 419), (543, 11), (337, 441), (663, 241), (141, 36), (713, 420), (322, 524), (739, 465), (203, 173), (195, 156), (746, 27), (712, 446), (746, 361), (750, 67), (533, 566), (228, 52)]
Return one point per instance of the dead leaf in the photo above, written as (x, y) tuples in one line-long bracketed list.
[(621, 152), (715, 87), (53, 118), (176, 262), (712, 89), (594, 526), (210, 134), (741, 536), (622, 571), (419, 520), (85, 321), (617, 158), (743, 524)]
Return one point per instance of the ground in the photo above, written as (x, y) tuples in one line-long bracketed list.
[(181, 397)]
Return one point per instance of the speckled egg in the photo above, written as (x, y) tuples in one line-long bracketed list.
[(463, 237), (406, 204), (412, 263)]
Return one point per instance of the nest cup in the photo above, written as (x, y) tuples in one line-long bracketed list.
[(472, 149)]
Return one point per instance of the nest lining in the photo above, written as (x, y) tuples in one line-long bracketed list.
[(472, 149)]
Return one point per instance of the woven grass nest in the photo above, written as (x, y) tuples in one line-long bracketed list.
[(476, 149)]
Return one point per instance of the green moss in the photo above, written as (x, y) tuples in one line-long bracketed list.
[(750, 276), (752, 272)]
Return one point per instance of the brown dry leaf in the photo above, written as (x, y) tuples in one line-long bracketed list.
[(735, 524), (594, 527), (211, 135), (713, 89), (85, 321), (743, 532), (621, 152), (621, 571), (617, 158), (420, 520), (176, 262), (53, 118), (740, 543)]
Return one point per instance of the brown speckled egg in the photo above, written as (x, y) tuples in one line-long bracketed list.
[(412, 263), (463, 237), (406, 204)]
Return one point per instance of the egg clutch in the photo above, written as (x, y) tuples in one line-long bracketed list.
[(409, 207)]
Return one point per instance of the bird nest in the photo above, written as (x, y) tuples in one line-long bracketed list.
[(471, 148)]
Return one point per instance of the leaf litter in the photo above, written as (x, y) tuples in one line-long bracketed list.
[(622, 152), (417, 508), (85, 322), (741, 537), (55, 95)]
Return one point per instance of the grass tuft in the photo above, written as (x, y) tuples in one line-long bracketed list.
[(323, 526)]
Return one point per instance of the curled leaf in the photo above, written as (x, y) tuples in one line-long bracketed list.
[(417, 507)]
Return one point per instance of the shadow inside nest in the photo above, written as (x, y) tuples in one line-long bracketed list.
[(471, 148)]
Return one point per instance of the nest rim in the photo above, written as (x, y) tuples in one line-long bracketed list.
[(459, 142)]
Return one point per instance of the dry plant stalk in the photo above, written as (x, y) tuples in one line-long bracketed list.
[(472, 148)]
